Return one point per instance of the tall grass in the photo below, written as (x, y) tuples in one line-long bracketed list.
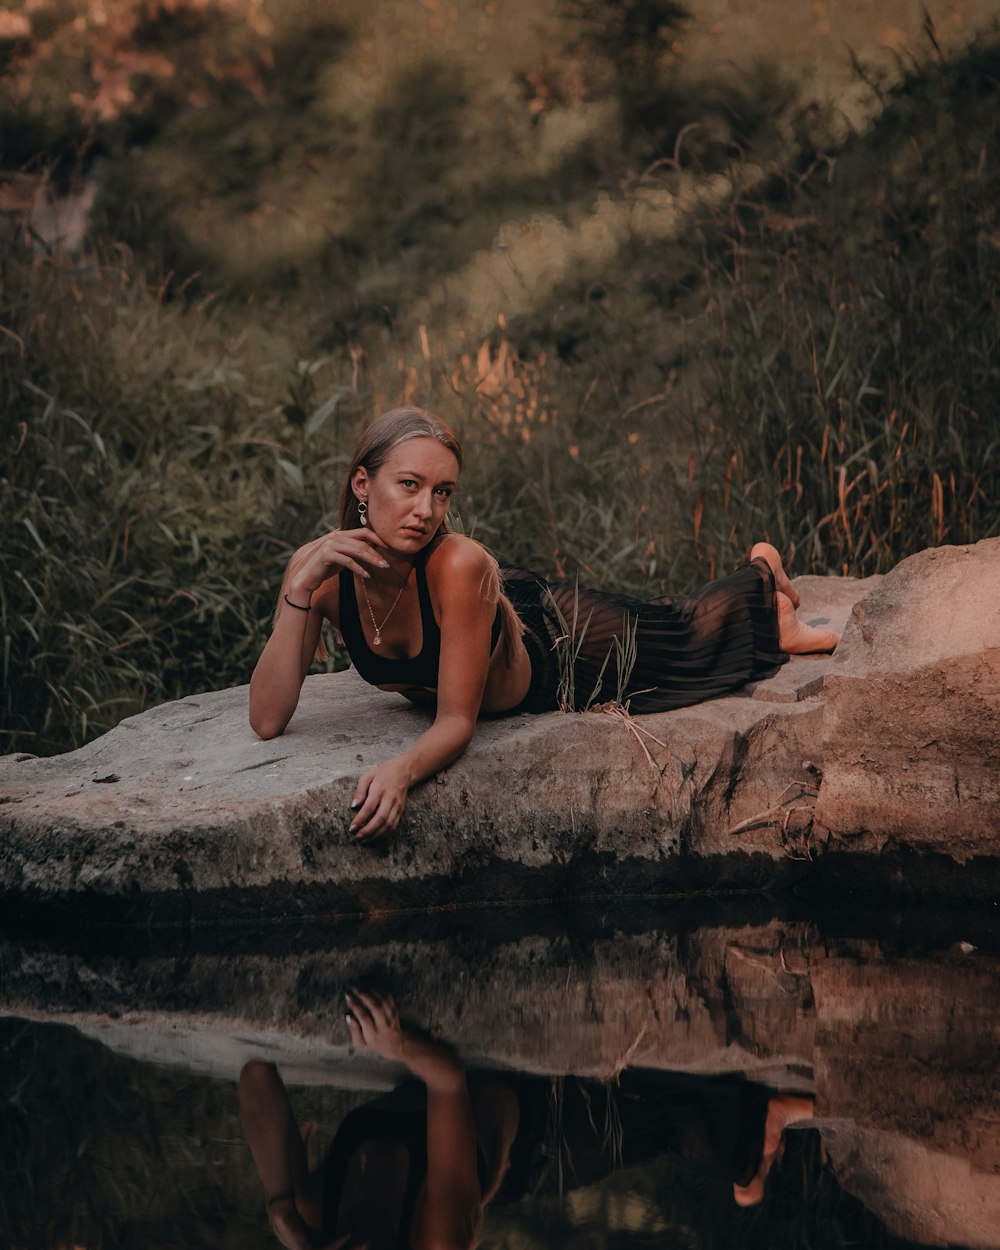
[(814, 360), (148, 489), (101, 1151), (859, 306)]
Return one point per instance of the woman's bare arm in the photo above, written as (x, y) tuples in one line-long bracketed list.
[(279, 1154), (466, 620), (277, 679), (449, 1213)]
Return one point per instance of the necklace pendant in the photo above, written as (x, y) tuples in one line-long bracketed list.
[(377, 639)]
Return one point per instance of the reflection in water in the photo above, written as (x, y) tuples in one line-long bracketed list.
[(420, 1165), (98, 1150)]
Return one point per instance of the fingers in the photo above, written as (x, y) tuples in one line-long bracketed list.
[(354, 1028), (379, 808), (355, 567), (357, 550), (359, 539), (378, 816), (370, 1016), (372, 1007), (361, 793)]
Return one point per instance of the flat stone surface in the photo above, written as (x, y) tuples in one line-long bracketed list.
[(183, 813)]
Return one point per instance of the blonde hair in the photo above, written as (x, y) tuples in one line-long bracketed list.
[(385, 433), (383, 436)]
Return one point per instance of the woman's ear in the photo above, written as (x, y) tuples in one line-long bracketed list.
[(359, 482)]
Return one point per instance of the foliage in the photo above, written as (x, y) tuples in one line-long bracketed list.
[(858, 365), (809, 357), (85, 1134), (146, 498)]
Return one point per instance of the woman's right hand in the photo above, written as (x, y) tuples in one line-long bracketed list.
[(358, 550)]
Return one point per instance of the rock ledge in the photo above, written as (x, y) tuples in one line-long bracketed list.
[(888, 749)]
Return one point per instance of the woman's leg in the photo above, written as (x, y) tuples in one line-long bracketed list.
[(770, 555), (782, 1110), (794, 638)]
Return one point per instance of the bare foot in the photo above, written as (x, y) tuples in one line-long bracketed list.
[(794, 638), (764, 551), (782, 1110)]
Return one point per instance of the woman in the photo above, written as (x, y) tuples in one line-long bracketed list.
[(430, 614), (418, 1166)]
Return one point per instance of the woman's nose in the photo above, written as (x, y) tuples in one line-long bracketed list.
[(422, 505)]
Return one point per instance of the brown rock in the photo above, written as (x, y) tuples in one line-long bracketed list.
[(889, 746), (911, 726)]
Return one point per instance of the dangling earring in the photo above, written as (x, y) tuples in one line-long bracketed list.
[(362, 510)]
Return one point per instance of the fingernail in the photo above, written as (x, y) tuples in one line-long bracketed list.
[(351, 828), (384, 563), (355, 805)]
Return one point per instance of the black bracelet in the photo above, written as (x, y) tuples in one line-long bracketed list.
[(298, 605)]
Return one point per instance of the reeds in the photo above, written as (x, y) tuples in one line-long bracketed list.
[(811, 360), (145, 507)]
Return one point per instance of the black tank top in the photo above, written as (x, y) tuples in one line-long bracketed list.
[(379, 670), (400, 1116)]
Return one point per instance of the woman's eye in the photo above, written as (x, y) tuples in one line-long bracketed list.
[(443, 491)]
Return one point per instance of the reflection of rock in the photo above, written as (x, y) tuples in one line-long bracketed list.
[(537, 1004), (920, 1194), (182, 812), (929, 1034), (903, 1047)]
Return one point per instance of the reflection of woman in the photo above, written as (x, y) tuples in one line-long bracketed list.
[(417, 1167), (429, 614), (414, 1168)]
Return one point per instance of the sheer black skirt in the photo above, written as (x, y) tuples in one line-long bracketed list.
[(589, 647)]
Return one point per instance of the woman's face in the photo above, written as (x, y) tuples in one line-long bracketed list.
[(408, 497)]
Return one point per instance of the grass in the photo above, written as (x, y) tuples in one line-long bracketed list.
[(147, 512), (811, 359)]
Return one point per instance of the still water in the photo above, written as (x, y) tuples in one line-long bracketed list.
[(639, 1076)]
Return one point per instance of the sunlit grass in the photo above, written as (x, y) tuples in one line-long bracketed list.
[(812, 359)]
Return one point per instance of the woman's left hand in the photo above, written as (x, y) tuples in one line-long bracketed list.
[(380, 799)]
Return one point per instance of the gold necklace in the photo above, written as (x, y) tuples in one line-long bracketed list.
[(375, 625)]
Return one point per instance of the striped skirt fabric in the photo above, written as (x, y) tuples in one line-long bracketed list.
[(588, 647)]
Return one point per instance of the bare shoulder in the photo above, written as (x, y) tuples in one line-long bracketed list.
[(456, 557)]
